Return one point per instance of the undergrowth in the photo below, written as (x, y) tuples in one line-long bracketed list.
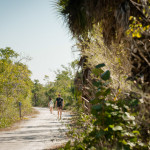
[(111, 125)]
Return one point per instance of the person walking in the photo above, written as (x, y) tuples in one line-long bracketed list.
[(51, 104), (60, 105)]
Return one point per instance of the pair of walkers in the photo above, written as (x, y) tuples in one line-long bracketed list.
[(59, 104)]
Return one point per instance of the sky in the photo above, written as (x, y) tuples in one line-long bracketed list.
[(33, 28)]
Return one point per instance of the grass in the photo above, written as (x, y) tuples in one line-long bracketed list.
[(16, 124)]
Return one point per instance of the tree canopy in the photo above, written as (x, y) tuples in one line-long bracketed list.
[(15, 87)]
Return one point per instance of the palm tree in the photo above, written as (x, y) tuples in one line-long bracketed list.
[(113, 15)]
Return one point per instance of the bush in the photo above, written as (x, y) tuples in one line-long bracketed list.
[(111, 124)]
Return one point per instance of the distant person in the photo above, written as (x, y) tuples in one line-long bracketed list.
[(60, 105), (51, 105)]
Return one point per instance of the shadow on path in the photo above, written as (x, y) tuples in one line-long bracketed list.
[(38, 133)]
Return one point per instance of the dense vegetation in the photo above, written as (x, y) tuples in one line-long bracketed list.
[(111, 88), (111, 123), (116, 33), (63, 84), (15, 87)]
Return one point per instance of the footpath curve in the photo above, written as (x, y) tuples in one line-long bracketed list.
[(39, 133)]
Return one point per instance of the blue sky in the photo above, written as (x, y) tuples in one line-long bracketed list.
[(33, 28)]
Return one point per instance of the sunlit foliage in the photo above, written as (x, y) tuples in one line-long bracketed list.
[(15, 87)]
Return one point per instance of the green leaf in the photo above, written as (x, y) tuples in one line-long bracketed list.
[(97, 84), (136, 132), (93, 133), (114, 113), (124, 142), (106, 129), (134, 102), (97, 122), (133, 139), (100, 134), (98, 93), (100, 65), (67, 146), (106, 75), (115, 107), (126, 107), (128, 134), (95, 101), (106, 92), (117, 128), (80, 147), (127, 116), (97, 107), (97, 72), (131, 144), (111, 126), (140, 143)]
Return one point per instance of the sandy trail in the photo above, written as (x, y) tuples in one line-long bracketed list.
[(39, 133)]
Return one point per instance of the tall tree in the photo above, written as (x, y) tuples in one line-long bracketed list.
[(123, 21), (15, 87), (113, 16)]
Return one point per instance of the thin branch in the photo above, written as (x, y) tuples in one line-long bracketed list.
[(142, 54), (133, 3)]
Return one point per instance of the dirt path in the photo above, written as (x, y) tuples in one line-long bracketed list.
[(39, 133)]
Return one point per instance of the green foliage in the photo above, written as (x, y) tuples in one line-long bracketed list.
[(106, 75), (104, 23), (15, 87), (63, 84), (39, 98), (7, 53), (100, 65), (111, 125)]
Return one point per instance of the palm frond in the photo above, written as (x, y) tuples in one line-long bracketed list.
[(81, 15)]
